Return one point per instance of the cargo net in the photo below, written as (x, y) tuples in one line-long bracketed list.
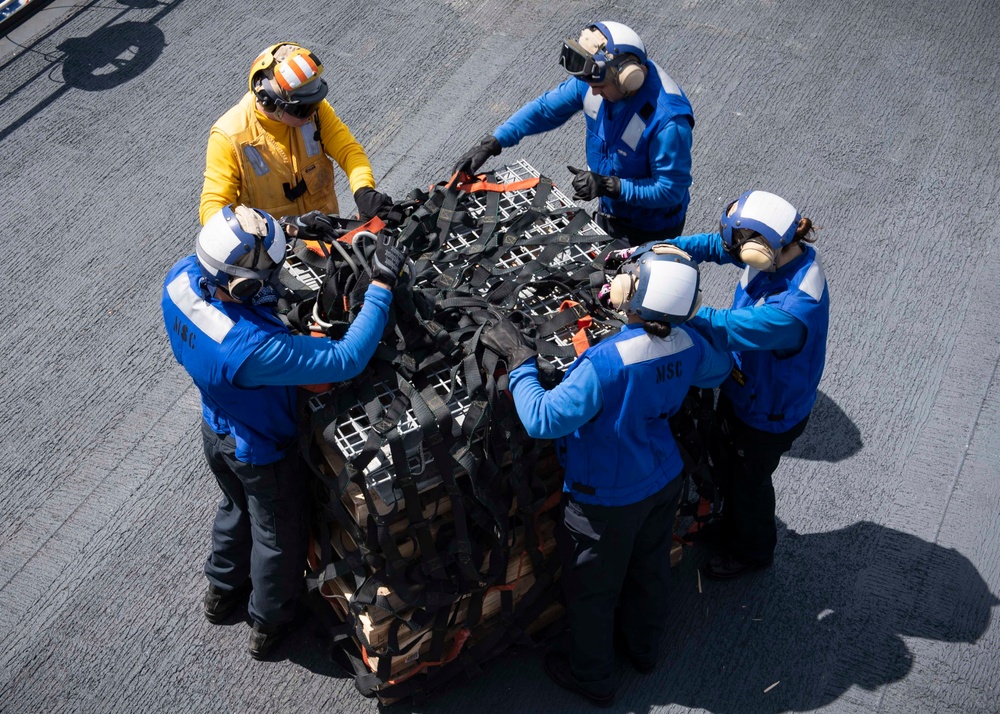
[(433, 525)]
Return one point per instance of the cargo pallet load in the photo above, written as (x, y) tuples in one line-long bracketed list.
[(433, 526)]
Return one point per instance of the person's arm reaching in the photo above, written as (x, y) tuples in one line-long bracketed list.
[(761, 327), (551, 110), (550, 414), (715, 364), (300, 359), (340, 144), (704, 247)]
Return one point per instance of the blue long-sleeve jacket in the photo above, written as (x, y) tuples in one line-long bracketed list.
[(245, 363), (644, 140), (610, 413), (287, 359), (776, 328)]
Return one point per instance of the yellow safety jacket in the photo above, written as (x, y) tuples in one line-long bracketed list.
[(264, 163)]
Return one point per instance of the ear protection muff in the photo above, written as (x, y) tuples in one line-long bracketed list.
[(629, 76), (623, 289), (757, 254), (267, 100), (756, 227), (280, 84), (660, 282)]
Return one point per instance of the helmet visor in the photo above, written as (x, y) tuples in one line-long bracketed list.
[(579, 62)]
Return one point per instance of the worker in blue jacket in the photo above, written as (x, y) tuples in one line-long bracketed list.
[(219, 315), (639, 126), (777, 329), (610, 416)]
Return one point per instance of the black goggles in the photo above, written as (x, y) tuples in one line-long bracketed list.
[(580, 63), (299, 111), (244, 289)]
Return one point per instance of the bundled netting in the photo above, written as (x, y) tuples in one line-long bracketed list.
[(433, 532)]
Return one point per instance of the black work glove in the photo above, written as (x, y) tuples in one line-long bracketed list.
[(309, 225), (389, 259), (476, 156), (587, 185), (506, 341), (371, 203)]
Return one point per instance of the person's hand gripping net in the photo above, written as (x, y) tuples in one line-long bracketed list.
[(505, 339), (389, 259)]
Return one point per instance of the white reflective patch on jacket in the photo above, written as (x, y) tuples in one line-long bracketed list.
[(814, 282), (260, 166), (633, 132), (644, 347), (748, 275), (309, 135), (669, 85), (591, 104), (210, 320)]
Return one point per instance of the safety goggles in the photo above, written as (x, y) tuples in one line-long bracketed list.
[(580, 63), (299, 111)]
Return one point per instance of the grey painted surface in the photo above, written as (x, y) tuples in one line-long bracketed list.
[(877, 119)]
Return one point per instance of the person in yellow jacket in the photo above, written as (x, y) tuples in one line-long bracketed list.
[(273, 150)]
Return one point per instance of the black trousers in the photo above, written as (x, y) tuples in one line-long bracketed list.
[(616, 555), (743, 461), (260, 529), (616, 228)]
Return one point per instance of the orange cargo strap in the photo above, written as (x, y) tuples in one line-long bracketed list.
[(483, 185), (456, 647), (580, 340), (704, 509), (374, 225)]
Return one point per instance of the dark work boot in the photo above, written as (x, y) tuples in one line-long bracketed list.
[(220, 604), (558, 668), (727, 566), (263, 638)]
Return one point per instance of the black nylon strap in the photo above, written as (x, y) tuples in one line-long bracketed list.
[(439, 318)]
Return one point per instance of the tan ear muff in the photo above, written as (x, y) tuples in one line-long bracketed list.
[(630, 77), (622, 290), (757, 255)]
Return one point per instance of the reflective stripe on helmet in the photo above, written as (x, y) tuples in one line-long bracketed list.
[(295, 71), (774, 218)]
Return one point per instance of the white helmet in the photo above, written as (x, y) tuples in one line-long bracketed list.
[(757, 226), (240, 250), (607, 51), (659, 282)]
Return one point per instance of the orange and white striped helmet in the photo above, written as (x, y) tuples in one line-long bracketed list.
[(289, 74)]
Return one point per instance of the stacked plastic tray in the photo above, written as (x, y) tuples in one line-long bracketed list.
[(344, 438)]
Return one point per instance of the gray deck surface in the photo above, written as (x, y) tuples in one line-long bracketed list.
[(877, 118)]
